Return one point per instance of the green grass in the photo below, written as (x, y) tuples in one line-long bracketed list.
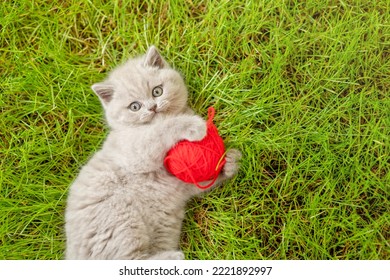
[(300, 87)]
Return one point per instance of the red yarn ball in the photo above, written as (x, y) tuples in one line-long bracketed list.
[(198, 161)]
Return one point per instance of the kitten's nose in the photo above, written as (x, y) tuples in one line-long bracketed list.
[(153, 108)]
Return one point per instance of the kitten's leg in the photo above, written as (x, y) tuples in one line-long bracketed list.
[(184, 127), (229, 169), (231, 166), (153, 147), (168, 255)]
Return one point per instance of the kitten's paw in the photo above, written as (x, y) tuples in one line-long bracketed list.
[(168, 255), (231, 166), (178, 255), (195, 129)]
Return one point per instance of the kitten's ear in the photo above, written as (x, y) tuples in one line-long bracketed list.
[(154, 59), (104, 91)]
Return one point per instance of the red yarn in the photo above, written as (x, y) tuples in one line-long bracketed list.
[(198, 161)]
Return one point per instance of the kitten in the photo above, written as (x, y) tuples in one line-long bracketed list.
[(124, 204)]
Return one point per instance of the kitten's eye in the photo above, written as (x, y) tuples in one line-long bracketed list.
[(157, 91), (135, 106)]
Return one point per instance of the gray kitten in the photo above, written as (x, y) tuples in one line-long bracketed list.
[(124, 204)]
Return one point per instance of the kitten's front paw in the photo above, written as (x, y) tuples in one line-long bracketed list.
[(231, 166), (195, 129)]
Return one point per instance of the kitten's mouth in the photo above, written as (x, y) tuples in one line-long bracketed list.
[(153, 114)]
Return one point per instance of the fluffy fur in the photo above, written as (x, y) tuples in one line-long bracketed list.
[(124, 204)]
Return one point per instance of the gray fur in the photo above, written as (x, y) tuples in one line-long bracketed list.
[(124, 204)]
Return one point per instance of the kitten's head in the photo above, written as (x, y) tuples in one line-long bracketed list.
[(143, 87)]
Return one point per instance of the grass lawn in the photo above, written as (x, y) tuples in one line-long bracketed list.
[(300, 87)]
